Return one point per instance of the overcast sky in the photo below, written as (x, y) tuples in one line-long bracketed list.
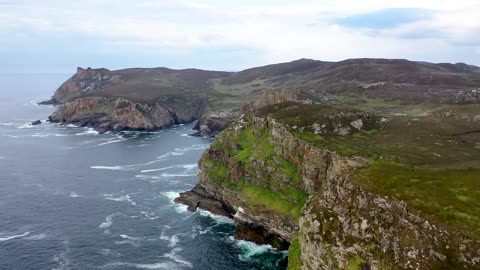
[(59, 35)]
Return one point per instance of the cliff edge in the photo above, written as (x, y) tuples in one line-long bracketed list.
[(326, 183)]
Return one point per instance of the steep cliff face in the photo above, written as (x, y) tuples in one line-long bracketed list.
[(115, 114), (345, 227), (83, 82), (283, 190)]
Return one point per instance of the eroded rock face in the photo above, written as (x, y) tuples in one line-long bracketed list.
[(81, 83), (341, 226), (116, 114), (344, 226)]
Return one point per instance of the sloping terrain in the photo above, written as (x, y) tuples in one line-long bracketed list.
[(221, 96)]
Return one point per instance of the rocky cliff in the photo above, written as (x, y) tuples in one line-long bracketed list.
[(361, 82), (287, 191), (116, 114)]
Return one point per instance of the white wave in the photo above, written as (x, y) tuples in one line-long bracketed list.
[(13, 136), (251, 249), (61, 259), (178, 175), (89, 131), (8, 124), (26, 126), (174, 153), (218, 219), (172, 240), (120, 199), (176, 258), (111, 141), (158, 266), (149, 215), (125, 167), (2, 239), (198, 229), (185, 166), (113, 168), (36, 237), (172, 195), (185, 135), (75, 195), (124, 236), (108, 222), (193, 147)]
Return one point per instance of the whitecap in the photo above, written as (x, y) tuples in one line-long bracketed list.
[(172, 240), (7, 124), (124, 167), (108, 222), (113, 168), (172, 195), (159, 266), (2, 239), (184, 135), (146, 177), (89, 131), (36, 237), (185, 166), (193, 147), (149, 215), (178, 175), (124, 236), (251, 249), (178, 259), (120, 199), (174, 153), (111, 141), (217, 218), (61, 259), (26, 126), (75, 195)]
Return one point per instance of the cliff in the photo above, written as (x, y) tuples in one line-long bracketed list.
[(116, 114), (363, 83), (284, 174)]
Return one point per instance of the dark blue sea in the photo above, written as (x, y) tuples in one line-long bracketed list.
[(71, 198)]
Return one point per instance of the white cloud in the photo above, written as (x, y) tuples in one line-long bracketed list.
[(282, 30)]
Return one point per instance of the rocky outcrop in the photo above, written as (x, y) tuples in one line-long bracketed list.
[(345, 227), (81, 83), (116, 114), (281, 189)]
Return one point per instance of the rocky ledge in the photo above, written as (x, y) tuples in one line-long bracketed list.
[(286, 192)]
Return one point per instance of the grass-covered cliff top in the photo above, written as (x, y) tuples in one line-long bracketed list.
[(427, 156)]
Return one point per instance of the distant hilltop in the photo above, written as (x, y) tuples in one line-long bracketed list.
[(155, 98)]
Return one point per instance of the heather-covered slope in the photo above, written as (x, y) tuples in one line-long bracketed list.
[(218, 98), (351, 189)]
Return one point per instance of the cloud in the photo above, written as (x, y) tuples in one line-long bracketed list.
[(386, 18), (231, 35)]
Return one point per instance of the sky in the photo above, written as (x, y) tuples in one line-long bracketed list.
[(56, 36)]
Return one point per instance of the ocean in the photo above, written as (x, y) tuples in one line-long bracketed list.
[(71, 198)]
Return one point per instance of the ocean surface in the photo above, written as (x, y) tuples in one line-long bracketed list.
[(71, 198)]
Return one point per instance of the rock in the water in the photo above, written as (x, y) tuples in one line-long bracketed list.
[(36, 122), (194, 201)]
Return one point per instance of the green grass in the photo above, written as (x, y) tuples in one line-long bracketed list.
[(294, 255), (449, 196), (428, 141), (268, 200), (355, 263)]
